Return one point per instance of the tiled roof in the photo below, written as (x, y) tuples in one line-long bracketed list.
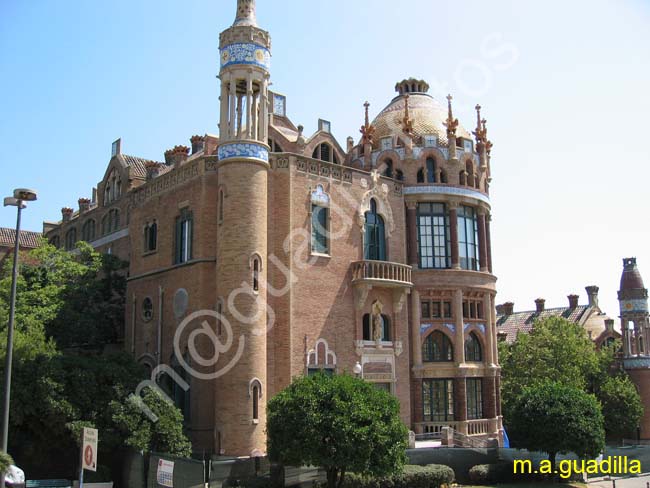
[(28, 239), (523, 321), (137, 165)]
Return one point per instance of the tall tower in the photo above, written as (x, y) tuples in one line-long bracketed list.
[(635, 327), (240, 412)]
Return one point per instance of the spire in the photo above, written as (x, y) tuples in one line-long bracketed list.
[(480, 132), (407, 122), (450, 123), (367, 130), (245, 13), (488, 143)]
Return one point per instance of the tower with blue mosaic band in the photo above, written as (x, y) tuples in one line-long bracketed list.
[(241, 393), (635, 328)]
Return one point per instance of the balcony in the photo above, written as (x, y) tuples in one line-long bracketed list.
[(367, 274), (381, 273)]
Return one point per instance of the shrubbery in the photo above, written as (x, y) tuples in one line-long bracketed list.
[(491, 473), (430, 476)]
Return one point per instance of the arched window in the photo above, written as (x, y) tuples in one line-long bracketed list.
[(443, 176), (257, 268), (437, 348), (111, 221), (147, 309), (70, 239), (256, 402), (640, 345), (320, 202), (462, 178), (184, 233), (431, 170), (420, 177), (368, 332), (324, 152), (55, 241), (88, 231), (388, 172), (150, 236), (469, 168), (375, 236), (399, 175), (473, 352)]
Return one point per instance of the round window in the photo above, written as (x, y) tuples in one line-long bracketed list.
[(147, 309)]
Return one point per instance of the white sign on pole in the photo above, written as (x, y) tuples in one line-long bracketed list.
[(89, 450), (165, 474)]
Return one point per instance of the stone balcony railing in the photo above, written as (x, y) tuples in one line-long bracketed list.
[(382, 273)]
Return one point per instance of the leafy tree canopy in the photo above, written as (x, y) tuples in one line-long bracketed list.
[(622, 406), (339, 422)]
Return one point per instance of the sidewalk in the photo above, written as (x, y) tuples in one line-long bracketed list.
[(633, 482)]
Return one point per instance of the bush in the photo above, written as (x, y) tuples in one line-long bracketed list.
[(5, 462), (491, 473), (430, 476)]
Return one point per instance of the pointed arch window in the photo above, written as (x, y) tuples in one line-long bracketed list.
[(88, 231), (431, 170), (473, 350), (255, 392), (375, 235), (256, 267), (437, 348), (388, 171), (70, 239), (151, 236)]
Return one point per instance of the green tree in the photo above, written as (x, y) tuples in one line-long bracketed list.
[(141, 433), (622, 406), (557, 419), (339, 422)]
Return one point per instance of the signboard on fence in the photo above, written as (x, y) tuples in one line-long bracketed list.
[(89, 449), (165, 473)]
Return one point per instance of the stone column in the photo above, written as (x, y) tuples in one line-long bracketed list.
[(415, 328), (249, 108), (223, 121), (489, 325), (482, 241), (488, 241), (453, 234), (411, 223), (459, 349), (232, 95)]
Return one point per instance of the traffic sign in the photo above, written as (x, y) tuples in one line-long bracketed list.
[(89, 450)]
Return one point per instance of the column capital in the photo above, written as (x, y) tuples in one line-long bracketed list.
[(453, 204), (411, 205)]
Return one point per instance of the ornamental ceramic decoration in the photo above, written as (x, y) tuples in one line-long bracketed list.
[(279, 105), (243, 150), (246, 53)]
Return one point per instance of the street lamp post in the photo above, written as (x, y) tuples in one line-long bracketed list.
[(21, 195)]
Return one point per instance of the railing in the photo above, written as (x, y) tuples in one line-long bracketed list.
[(393, 273), (433, 430), (478, 427)]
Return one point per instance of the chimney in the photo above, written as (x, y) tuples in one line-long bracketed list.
[(350, 142), (176, 155), (153, 169), (573, 301), (592, 293), (609, 324), (539, 305), (198, 143), (84, 205), (499, 309), (508, 308), (66, 214)]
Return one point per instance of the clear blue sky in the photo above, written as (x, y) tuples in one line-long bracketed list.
[(564, 86)]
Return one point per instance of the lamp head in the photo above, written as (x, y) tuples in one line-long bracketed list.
[(13, 202), (357, 368), (25, 194)]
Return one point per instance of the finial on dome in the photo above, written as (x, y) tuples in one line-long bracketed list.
[(407, 122), (480, 132), (245, 13), (367, 130), (451, 123)]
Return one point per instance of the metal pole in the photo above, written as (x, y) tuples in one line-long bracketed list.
[(10, 337), (81, 462)]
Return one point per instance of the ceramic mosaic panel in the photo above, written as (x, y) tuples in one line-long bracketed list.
[(246, 53), (466, 192), (243, 150), (636, 306)]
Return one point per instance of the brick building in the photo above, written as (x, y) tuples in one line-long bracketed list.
[(28, 240), (277, 255)]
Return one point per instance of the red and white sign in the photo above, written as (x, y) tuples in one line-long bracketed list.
[(165, 473), (89, 449)]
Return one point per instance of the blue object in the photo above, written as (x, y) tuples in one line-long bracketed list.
[(506, 441)]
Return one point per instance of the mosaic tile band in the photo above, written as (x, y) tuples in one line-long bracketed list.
[(246, 53), (446, 190), (636, 363), (243, 150), (634, 306)]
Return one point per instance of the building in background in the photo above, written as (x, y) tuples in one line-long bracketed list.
[(598, 325), (28, 240), (304, 255)]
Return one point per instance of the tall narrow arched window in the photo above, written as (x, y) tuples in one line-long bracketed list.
[(70, 239), (88, 231), (368, 331), (420, 176), (151, 236), (320, 202), (388, 172), (437, 348), (221, 210), (375, 235), (443, 176), (257, 267), (462, 178), (469, 168), (399, 175), (431, 170), (255, 392), (473, 351), (184, 233), (468, 238)]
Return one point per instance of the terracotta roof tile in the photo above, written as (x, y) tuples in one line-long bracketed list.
[(137, 165), (523, 321), (28, 239)]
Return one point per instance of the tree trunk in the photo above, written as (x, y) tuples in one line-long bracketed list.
[(551, 457), (331, 477), (341, 477)]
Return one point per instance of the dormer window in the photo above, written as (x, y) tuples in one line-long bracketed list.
[(113, 188), (325, 152)]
